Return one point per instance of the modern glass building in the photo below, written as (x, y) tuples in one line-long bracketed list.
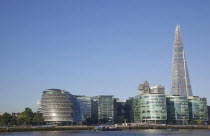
[(85, 103), (94, 108), (150, 105), (198, 112), (180, 84), (150, 108), (60, 107), (119, 111), (129, 110), (177, 109), (123, 110), (103, 108), (208, 114), (39, 106)]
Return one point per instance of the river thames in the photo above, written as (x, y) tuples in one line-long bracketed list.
[(148, 132)]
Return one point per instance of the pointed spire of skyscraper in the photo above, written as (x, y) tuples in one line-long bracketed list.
[(180, 77)]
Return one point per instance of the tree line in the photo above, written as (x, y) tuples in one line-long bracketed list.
[(26, 118)]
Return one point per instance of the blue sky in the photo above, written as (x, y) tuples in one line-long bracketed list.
[(98, 47)]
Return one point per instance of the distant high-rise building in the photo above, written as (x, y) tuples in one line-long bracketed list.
[(180, 77)]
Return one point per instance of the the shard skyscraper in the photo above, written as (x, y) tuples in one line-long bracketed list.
[(180, 77)]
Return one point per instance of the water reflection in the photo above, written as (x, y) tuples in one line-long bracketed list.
[(145, 132)]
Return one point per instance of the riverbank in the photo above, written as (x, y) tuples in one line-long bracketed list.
[(60, 128), (166, 127), (79, 128)]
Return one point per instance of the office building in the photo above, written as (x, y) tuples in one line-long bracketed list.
[(186, 110), (60, 107), (39, 106), (144, 88), (183, 107), (103, 108), (180, 77), (129, 110), (208, 114), (123, 111), (157, 89), (150, 105), (94, 108), (198, 112), (85, 103), (177, 110), (120, 111)]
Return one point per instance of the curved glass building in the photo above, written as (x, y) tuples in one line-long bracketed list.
[(150, 108), (150, 105), (59, 106)]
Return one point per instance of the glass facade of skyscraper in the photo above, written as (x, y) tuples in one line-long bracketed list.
[(150, 108), (94, 107), (177, 110), (106, 108), (103, 108), (180, 77), (198, 112)]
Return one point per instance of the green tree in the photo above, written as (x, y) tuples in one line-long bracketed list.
[(191, 122), (13, 120), (0, 121), (22, 120), (38, 118), (199, 122), (5, 119), (28, 116)]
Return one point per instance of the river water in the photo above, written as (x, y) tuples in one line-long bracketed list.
[(148, 132)]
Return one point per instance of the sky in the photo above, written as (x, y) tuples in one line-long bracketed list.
[(98, 47)]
